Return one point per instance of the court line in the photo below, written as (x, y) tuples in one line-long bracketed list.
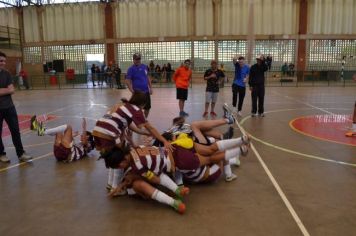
[(25, 163), (276, 186)]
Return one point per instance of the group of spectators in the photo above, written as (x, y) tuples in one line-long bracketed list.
[(107, 74), (288, 69), (159, 73)]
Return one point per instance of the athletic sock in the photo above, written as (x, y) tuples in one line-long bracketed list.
[(110, 176), (117, 177), (229, 143), (227, 170), (178, 178), (162, 198), (354, 127), (55, 130), (235, 161), (231, 153), (167, 182)]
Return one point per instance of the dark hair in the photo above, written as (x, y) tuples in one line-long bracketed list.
[(241, 58), (167, 135), (188, 60), (2, 54), (114, 157), (178, 120), (91, 143)]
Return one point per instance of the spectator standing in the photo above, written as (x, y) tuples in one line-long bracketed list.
[(213, 76), (169, 72), (291, 69), (9, 114), (23, 74), (284, 69), (117, 73), (182, 77), (257, 85), (269, 62), (93, 74), (239, 84), (137, 80)]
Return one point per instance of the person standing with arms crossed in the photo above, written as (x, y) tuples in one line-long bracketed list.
[(137, 80), (239, 84), (212, 76), (9, 114), (257, 86), (182, 77)]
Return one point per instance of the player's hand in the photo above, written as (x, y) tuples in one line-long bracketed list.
[(168, 146)]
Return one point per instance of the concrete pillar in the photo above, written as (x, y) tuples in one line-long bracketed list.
[(302, 44)]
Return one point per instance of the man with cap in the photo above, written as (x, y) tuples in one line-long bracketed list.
[(239, 84), (182, 78), (137, 80), (213, 77), (257, 86)]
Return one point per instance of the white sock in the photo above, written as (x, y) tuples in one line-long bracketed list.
[(229, 143), (235, 161), (110, 176), (211, 139), (55, 130), (354, 127), (227, 170), (231, 153), (167, 182), (178, 178), (162, 198), (117, 177)]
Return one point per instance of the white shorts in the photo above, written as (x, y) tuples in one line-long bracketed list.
[(211, 97)]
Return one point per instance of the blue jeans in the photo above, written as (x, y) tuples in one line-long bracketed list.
[(10, 116)]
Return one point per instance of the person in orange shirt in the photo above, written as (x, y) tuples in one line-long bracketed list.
[(182, 77)]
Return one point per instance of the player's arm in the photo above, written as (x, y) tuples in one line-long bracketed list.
[(158, 136), (129, 85), (9, 90), (134, 128)]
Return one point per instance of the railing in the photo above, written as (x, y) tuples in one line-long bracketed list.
[(10, 38), (103, 81)]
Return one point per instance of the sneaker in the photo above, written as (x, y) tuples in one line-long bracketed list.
[(181, 191), (237, 161), (4, 159), (230, 178), (183, 114), (245, 139), (229, 134), (34, 123), (41, 129), (226, 110), (262, 114), (244, 150), (108, 187), (179, 206), (25, 158), (213, 114), (205, 114), (231, 119), (239, 113), (253, 114)]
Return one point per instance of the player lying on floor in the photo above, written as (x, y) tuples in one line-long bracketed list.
[(67, 147)]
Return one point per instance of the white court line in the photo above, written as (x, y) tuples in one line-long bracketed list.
[(25, 163), (277, 187)]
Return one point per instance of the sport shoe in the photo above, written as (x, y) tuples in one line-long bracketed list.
[(229, 134), (108, 187), (239, 113), (262, 114), (179, 206), (226, 110), (253, 114), (34, 123), (4, 159), (245, 139), (181, 191), (231, 119), (205, 114), (183, 114), (230, 178), (25, 158), (213, 114), (41, 129), (244, 150)]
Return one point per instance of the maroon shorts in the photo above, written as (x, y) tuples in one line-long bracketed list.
[(213, 177), (185, 159), (103, 144), (61, 153)]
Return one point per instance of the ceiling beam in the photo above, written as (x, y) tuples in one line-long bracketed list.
[(9, 4)]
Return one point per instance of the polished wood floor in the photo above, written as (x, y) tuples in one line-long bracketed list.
[(315, 178)]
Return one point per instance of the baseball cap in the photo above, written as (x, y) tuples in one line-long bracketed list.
[(136, 56)]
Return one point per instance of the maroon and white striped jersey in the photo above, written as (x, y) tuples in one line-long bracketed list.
[(150, 159), (114, 124), (201, 174)]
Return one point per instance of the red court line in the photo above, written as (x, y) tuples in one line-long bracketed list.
[(24, 123)]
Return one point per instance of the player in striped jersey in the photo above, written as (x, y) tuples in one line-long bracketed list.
[(66, 147), (108, 131)]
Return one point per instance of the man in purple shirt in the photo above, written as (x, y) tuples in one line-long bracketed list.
[(137, 80)]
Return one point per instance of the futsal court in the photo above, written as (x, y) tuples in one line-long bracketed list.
[(297, 179)]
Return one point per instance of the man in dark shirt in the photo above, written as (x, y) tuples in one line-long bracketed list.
[(213, 76), (9, 114), (257, 85)]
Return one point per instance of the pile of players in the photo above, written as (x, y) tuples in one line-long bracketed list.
[(189, 153)]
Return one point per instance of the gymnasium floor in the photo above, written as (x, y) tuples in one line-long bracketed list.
[(314, 171)]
